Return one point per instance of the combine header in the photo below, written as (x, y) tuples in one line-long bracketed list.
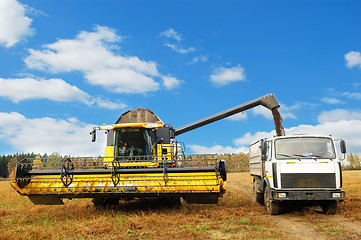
[(141, 160)]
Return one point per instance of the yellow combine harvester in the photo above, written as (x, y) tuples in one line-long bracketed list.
[(141, 160)]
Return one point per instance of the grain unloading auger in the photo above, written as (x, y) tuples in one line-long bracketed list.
[(141, 160)]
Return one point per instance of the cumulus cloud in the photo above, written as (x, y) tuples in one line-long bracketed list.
[(14, 24), (338, 115), (17, 90), (223, 76), (170, 82), (353, 59), (262, 111), (48, 135), (174, 40), (95, 54)]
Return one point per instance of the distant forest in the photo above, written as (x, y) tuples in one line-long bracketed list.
[(9, 162), (234, 162)]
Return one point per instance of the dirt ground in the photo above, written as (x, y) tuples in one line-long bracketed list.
[(234, 217)]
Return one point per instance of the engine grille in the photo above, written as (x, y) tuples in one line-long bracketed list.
[(308, 180)]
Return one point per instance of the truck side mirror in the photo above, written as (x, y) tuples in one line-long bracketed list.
[(343, 146), (264, 150), (94, 135)]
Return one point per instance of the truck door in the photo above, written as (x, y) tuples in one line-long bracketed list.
[(270, 166)]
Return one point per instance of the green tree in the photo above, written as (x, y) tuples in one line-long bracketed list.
[(12, 168)]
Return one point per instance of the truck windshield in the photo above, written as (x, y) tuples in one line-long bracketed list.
[(304, 147)]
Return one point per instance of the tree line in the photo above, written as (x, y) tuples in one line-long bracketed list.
[(8, 162), (353, 162)]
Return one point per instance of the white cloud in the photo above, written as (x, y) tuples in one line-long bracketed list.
[(338, 115), (353, 59), (198, 59), (179, 49), (48, 135), (265, 112), (354, 96), (223, 76), (249, 138), (329, 100), (170, 82), (122, 80), (333, 92), (108, 104), (14, 25), (18, 90), (95, 55), (171, 33), (197, 149)]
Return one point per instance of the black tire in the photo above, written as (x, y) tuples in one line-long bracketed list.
[(223, 170), (105, 202), (173, 202), (329, 207), (257, 197), (272, 207)]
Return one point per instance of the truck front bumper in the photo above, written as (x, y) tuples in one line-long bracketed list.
[(289, 195)]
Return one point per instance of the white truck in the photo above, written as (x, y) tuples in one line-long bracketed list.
[(297, 168)]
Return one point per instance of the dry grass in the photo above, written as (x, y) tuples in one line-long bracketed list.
[(235, 217)]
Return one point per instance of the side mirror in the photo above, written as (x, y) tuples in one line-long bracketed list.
[(343, 146), (264, 150), (94, 134)]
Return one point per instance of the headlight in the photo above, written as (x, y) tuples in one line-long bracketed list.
[(336, 195), (280, 195)]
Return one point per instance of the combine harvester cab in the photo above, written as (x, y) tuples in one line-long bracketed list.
[(141, 160)]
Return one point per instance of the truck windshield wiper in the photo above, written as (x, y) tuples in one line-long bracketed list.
[(289, 156), (309, 155)]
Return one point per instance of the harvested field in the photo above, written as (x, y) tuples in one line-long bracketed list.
[(235, 217)]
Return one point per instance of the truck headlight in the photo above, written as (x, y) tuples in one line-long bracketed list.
[(336, 195), (281, 195)]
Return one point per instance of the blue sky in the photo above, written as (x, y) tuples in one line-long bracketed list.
[(66, 66)]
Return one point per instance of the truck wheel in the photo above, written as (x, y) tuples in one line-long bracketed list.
[(257, 197), (329, 207), (273, 207)]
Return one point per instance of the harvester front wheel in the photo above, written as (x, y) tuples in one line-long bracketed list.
[(105, 202)]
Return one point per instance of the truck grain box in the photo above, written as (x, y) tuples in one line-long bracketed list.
[(297, 169)]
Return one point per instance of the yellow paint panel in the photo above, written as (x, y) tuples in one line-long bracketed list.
[(138, 183)]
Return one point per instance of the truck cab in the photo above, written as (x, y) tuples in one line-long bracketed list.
[(301, 168)]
